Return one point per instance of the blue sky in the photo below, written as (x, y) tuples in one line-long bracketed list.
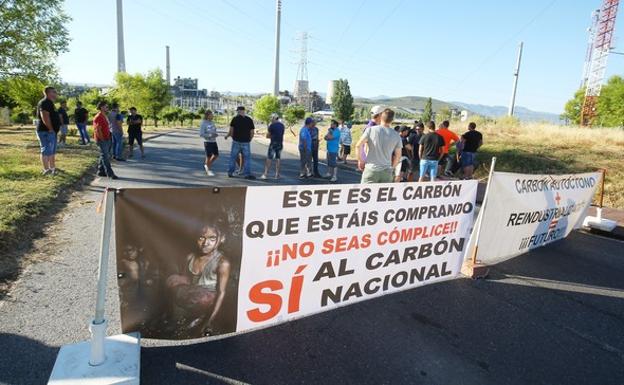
[(452, 50)]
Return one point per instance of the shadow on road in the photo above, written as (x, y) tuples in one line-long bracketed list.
[(500, 331), (33, 360)]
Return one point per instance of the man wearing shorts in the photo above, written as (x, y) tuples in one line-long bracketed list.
[(64, 117), (345, 141), (48, 125), (275, 133), (384, 151), (333, 143), (471, 141), (135, 132), (449, 138), (430, 152), (208, 131)]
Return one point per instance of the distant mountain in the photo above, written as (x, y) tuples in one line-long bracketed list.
[(522, 113), (405, 102), (414, 104)]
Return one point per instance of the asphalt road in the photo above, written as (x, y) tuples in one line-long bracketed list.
[(552, 316)]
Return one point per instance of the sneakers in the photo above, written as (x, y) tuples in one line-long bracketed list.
[(207, 169), (333, 179), (230, 175), (46, 171), (302, 176), (263, 177), (328, 175), (277, 176), (210, 173), (53, 171), (250, 177)]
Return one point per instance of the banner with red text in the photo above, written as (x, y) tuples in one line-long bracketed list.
[(525, 211), (208, 261)]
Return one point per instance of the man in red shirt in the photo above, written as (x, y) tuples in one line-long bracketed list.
[(103, 138), (449, 138)]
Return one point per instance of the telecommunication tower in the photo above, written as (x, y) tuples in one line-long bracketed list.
[(600, 53), (595, 18)]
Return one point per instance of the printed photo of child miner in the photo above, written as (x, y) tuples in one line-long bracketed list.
[(200, 288)]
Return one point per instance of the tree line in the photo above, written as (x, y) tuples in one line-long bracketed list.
[(609, 109)]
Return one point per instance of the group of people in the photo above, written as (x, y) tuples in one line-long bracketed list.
[(400, 154), (52, 130), (385, 154)]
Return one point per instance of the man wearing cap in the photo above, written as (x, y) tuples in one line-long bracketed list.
[(384, 150), (275, 133), (242, 131)]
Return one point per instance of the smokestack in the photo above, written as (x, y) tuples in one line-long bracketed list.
[(278, 15), (168, 68), (121, 56)]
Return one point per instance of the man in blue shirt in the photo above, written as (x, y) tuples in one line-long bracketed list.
[(333, 144), (275, 132), (305, 149)]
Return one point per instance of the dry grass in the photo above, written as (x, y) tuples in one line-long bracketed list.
[(24, 193), (546, 148)]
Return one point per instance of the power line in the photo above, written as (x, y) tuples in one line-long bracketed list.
[(504, 44)]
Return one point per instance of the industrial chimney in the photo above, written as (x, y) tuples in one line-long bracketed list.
[(168, 68)]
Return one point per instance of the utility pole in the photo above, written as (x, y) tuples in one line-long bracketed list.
[(121, 56), (278, 17), (512, 103)]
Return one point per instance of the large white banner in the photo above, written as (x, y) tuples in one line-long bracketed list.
[(308, 249), (526, 211)]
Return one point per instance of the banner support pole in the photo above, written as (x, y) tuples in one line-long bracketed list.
[(475, 249), (99, 323)]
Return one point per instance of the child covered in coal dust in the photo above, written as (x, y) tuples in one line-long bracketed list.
[(200, 287)]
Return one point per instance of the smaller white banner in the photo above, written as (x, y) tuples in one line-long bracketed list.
[(526, 211)]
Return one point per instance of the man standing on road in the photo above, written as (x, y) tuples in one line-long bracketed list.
[(48, 126), (64, 118), (413, 141), (333, 145), (208, 131), (242, 132), (430, 152), (314, 134), (471, 141), (81, 115), (449, 138), (384, 150), (135, 131), (275, 133), (345, 141), (116, 120), (305, 149), (102, 136)]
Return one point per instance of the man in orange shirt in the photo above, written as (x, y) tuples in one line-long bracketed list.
[(449, 138), (103, 138)]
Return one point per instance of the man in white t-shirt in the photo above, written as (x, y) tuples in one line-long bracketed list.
[(208, 131), (384, 150)]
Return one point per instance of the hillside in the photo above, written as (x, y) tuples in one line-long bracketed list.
[(414, 103), (524, 114)]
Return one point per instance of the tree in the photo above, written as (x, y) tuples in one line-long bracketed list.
[(342, 101), (24, 92), (149, 93), (444, 113), (265, 107), (572, 109), (428, 113), (610, 106), (32, 35), (293, 113), (169, 114)]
